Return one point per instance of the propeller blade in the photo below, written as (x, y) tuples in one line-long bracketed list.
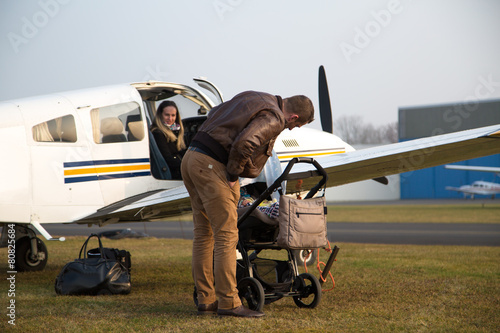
[(325, 109)]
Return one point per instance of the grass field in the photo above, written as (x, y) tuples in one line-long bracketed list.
[(379, 288), (477, 212), (466, 213)]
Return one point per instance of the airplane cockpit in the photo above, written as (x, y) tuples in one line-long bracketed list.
[(193, 106)]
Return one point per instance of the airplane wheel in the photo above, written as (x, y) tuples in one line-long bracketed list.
[(301, 255), (251, 293), (23, 253), (310, 291)]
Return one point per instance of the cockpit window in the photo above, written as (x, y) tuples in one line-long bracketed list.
[(187, 107), (60, 129), (117, 123)]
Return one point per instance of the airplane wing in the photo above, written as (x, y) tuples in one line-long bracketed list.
[(473, 168), (466, 190), (472, 190), (458, 189), (341, 168), (398, 158), (148, 206)]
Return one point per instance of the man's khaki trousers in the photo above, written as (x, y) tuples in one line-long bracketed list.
[(215, 218)]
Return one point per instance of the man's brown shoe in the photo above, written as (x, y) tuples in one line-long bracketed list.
[(240, 311), (208, 309)]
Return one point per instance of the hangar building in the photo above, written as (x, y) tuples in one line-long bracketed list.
[(419, 122)]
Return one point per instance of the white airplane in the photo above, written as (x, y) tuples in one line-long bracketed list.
[(87, 157), (478, 187)]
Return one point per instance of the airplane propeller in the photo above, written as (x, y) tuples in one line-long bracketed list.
[(325, 110)]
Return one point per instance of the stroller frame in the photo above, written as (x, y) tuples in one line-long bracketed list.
[(305, 289)]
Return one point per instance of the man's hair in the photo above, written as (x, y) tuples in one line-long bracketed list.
[(302, 106)]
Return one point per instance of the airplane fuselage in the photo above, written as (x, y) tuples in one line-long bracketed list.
[(481, 187), (68, 155)]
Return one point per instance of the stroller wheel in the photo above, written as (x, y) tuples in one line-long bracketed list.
[(310, 291), (251, 293)]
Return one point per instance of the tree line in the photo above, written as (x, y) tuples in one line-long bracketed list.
[(354, 130)]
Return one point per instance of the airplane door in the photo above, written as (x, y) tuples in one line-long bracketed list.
[(57, 150), (120, 150), (210, 87)]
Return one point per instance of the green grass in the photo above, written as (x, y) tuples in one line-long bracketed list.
[(489, 213), (479, 212), (379, 288)]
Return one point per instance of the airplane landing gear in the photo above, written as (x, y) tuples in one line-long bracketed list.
[(29, 251), (31, 254)]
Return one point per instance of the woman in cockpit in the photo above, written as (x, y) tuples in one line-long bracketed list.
[(168, 132)]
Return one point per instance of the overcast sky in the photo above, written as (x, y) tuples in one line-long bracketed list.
[(378, 55)]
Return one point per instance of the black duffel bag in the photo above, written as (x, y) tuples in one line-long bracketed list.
[(122, 256), (97, 274)]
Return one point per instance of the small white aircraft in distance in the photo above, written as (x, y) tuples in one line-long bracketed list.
[(87, 157), (478, 187)]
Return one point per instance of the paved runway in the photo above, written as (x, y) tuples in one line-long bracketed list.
[(379, 233)]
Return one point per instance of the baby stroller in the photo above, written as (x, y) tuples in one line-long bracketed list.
[(262, 280)]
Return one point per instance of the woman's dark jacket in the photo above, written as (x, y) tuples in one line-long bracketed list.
[(169, 152)]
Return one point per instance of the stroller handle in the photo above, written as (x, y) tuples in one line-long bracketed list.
[(310, 160)]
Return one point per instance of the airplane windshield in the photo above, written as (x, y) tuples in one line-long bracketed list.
[(187, 108)]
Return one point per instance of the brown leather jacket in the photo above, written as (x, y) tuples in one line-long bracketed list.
[(241, 132)]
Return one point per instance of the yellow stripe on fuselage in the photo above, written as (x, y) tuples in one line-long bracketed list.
[(101, 170), (287, 156)]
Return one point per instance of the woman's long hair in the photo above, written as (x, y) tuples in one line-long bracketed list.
[(158, 124)]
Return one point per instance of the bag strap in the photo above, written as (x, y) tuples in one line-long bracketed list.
[(84, 247)]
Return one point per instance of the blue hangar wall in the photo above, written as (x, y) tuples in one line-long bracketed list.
[(419, 122)]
